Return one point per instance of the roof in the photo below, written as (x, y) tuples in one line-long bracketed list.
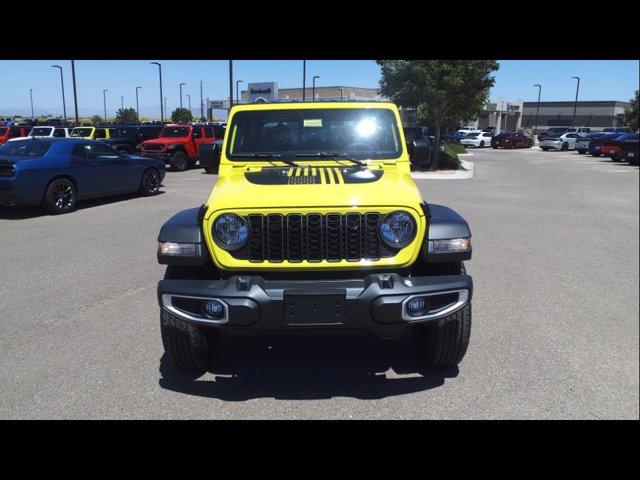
[(311, 105)]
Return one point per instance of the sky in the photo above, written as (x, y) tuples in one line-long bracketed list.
[(600, 80)]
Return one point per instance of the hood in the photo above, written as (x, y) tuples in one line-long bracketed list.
[(166, 140), (312, 186)]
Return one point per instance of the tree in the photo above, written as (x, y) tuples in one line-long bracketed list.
[(126, 115), (96, 119), (443, 90), (631, 114), (202, 119), (181, 115)]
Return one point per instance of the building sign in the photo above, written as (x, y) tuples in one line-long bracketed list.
[(513, 107), (217, 104), (263, 92)]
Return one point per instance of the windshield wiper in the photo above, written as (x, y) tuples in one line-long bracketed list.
[(275, 156), (341, 156)]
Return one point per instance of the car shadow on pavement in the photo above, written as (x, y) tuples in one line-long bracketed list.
[(22, 213), (304, 368)]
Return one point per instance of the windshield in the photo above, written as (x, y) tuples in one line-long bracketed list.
[(81, 132), (33, 148), (123, 132), (357, 132), (175, 132), (41, 131)]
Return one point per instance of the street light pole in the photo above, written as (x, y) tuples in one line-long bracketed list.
[(313, 89), (64, 106), (575, 104), (340, 94), (304, 79), (75, 95), (104, 102), (538, 107), (122, 102), (165, 105), (230, 84), (201, 102), (189, 99), (33, 117), (181, 84), (160, 73), (137, 104), (237, 94)]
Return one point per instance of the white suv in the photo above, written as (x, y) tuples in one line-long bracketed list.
[(45, 132)]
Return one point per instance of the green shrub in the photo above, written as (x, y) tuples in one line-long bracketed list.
[(448, 159), (455, 147)]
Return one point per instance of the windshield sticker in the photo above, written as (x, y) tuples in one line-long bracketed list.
[(312, 122)]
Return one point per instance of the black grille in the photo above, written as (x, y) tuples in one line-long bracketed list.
[(314, 237), (153, 147)]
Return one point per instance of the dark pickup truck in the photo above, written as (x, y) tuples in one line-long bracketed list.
[(127, 139)]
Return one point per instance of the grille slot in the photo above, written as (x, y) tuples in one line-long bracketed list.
[(313, 238)]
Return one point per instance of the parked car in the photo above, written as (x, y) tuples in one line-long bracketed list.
[(477, 139), (178, 144), (629, 151), (91, 133), (7, 133), (314, 236), (511, 140), (611, 148), (566, 141), (128, 139), (45, 132), (617, 130), (58, 172), (595, 146), (582, 143)]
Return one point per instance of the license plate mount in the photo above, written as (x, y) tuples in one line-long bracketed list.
[(304, 307)]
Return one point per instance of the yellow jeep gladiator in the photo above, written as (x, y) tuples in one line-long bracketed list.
[(314, 225)]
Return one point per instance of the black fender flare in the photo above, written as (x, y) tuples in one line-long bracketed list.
[(185, 227), (444, 223)]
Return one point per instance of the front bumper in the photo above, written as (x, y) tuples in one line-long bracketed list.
[(378, 303), (164, 156)]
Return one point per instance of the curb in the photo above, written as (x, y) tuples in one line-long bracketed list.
[(457, 175)]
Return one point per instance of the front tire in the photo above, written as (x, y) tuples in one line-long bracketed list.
[(581, 151), (179, 161), (544, 149), (564, 147), (150, 183), (444, 342), (481, 143), (60, 196), (187, 346)]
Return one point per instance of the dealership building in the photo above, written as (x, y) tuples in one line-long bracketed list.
[(594, 114), (269, 92)]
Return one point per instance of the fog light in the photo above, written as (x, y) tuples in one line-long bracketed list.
[(416, 306), (214, 309)]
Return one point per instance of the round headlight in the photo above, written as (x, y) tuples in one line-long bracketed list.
[(398, 229), (231, 231)]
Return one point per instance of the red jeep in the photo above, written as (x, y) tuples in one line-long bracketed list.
[(178, 144), (13, 132)]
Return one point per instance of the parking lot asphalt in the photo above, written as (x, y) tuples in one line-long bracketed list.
[(554, 335)]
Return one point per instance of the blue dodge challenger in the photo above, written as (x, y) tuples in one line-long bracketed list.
[(58, 172)]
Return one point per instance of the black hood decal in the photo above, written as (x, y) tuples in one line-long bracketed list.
[(310, 175)]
